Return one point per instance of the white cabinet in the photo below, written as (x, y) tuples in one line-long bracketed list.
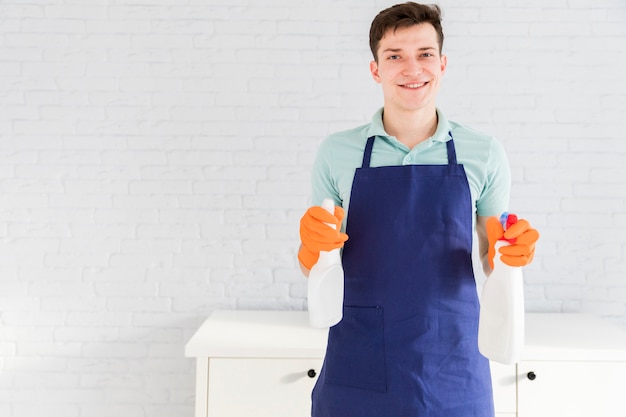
[(256, 363), (504, 389), (574, 366), (261, 387), (265, 363), (572, 389)]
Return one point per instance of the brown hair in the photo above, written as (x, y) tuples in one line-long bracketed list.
[(401, 16)]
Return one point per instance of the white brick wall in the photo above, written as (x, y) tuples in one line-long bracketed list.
[(155, 158)]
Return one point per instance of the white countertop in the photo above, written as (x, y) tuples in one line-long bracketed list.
[(551, 336), (267, 334), (287, 334)]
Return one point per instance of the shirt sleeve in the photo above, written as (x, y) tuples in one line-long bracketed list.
[(322, 183), (494, 198)]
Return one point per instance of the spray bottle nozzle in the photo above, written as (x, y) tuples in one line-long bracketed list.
[(507, 220)]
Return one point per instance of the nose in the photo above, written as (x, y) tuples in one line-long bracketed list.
[(413, 67)]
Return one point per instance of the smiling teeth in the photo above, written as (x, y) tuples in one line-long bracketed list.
[(415, 85)]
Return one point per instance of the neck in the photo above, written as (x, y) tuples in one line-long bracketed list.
[(410, 128)]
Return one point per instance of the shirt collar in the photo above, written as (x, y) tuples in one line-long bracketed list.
[(441, 134)]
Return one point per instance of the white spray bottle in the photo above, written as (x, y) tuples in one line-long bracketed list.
[(325, 284), (501, 322)]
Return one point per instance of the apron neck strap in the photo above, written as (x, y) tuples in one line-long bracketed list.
[(367, 154), (451, 150)]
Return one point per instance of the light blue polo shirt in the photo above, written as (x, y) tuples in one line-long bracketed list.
[(483, 157)]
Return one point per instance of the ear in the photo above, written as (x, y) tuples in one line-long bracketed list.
[(374, 71), (444, 63)]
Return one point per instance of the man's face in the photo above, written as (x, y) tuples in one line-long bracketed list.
[(409, 67)]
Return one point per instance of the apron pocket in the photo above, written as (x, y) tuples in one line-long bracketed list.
[(355, 356)]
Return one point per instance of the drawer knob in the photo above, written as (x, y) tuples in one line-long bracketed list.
[(311, 373), (531, 375)]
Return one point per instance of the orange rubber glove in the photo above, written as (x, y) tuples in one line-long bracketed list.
[(521, 237), (318, 236)]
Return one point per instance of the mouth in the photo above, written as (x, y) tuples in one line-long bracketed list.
[(414, 86)]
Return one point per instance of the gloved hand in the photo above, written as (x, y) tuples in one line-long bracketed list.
[(521, 237), (318, 236)]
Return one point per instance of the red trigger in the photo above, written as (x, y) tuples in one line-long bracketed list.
[(510, 221)]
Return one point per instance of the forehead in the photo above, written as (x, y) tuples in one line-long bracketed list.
[(417, 36)]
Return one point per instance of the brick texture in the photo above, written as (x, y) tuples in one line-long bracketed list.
[(155, 159)]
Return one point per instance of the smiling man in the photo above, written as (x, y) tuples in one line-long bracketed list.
[(409, 66), (415, 186)]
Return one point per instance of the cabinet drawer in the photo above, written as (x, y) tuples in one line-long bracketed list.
[(261, 387), (573, 389)]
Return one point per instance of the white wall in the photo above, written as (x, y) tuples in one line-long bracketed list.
[(155, 156)]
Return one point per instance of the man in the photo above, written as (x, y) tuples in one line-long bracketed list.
[(414, 186)]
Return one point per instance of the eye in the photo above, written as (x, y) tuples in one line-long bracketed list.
[(427, 55), (393, 57)]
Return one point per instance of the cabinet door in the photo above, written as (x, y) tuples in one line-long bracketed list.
[(572, 389), (504, 388), (261, 387)]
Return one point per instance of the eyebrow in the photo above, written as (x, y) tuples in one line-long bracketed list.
[(424, 48)]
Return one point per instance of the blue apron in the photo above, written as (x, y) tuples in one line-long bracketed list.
[(407, 343)]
